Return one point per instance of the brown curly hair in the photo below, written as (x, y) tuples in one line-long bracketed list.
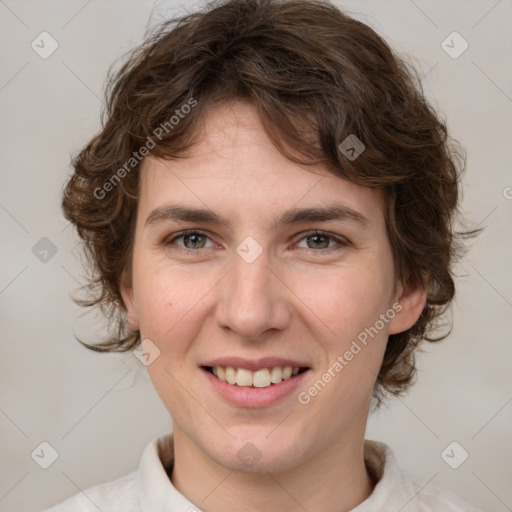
[(302, 63)]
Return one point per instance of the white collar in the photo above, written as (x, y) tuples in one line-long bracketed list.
[(394, 488)]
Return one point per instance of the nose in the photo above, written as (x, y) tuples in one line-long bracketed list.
[(253, 300)]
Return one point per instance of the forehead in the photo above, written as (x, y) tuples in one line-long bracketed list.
[(236, 168)]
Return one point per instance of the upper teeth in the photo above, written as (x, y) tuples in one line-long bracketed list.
[(259, 379)]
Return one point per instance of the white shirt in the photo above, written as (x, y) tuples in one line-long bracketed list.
[(149, 489)]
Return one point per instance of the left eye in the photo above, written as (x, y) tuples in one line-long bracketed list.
[(321, 240)]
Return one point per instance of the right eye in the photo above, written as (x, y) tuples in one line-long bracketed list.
[(192, 240)]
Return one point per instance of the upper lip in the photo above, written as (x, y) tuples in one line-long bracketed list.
[(254, 364)]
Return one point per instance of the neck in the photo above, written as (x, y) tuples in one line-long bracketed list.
[(334, 480)]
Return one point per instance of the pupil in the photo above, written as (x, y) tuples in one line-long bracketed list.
[(193, 238), (320, 236)]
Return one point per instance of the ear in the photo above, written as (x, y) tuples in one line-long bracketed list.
[(126, 289), (412, 298)]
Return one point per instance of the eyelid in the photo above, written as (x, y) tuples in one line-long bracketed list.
[(340, 240), (170, 239)]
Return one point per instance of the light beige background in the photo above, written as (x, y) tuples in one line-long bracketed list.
[(99, 411)]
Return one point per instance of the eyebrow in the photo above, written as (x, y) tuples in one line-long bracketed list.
[(175, 212)]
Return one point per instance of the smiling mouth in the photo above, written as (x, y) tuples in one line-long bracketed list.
[(262, 378)]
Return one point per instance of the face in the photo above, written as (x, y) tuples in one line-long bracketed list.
[(258, 285)]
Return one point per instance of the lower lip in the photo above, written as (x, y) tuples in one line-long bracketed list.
[(243, 396)]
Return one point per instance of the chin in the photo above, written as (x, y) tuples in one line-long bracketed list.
[(258, 454)]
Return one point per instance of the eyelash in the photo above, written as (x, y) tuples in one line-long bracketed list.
[(341, 242)]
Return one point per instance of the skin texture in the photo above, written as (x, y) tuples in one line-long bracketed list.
[(304, 298)]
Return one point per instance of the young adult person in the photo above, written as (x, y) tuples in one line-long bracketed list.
[(269, 212)]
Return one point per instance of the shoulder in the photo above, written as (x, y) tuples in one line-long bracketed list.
[(148, 488), (120, 494), (430, 497), (397, 489)]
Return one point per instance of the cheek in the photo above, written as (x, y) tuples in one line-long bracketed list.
[(166, 296), (349, 304), (346, 301)]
